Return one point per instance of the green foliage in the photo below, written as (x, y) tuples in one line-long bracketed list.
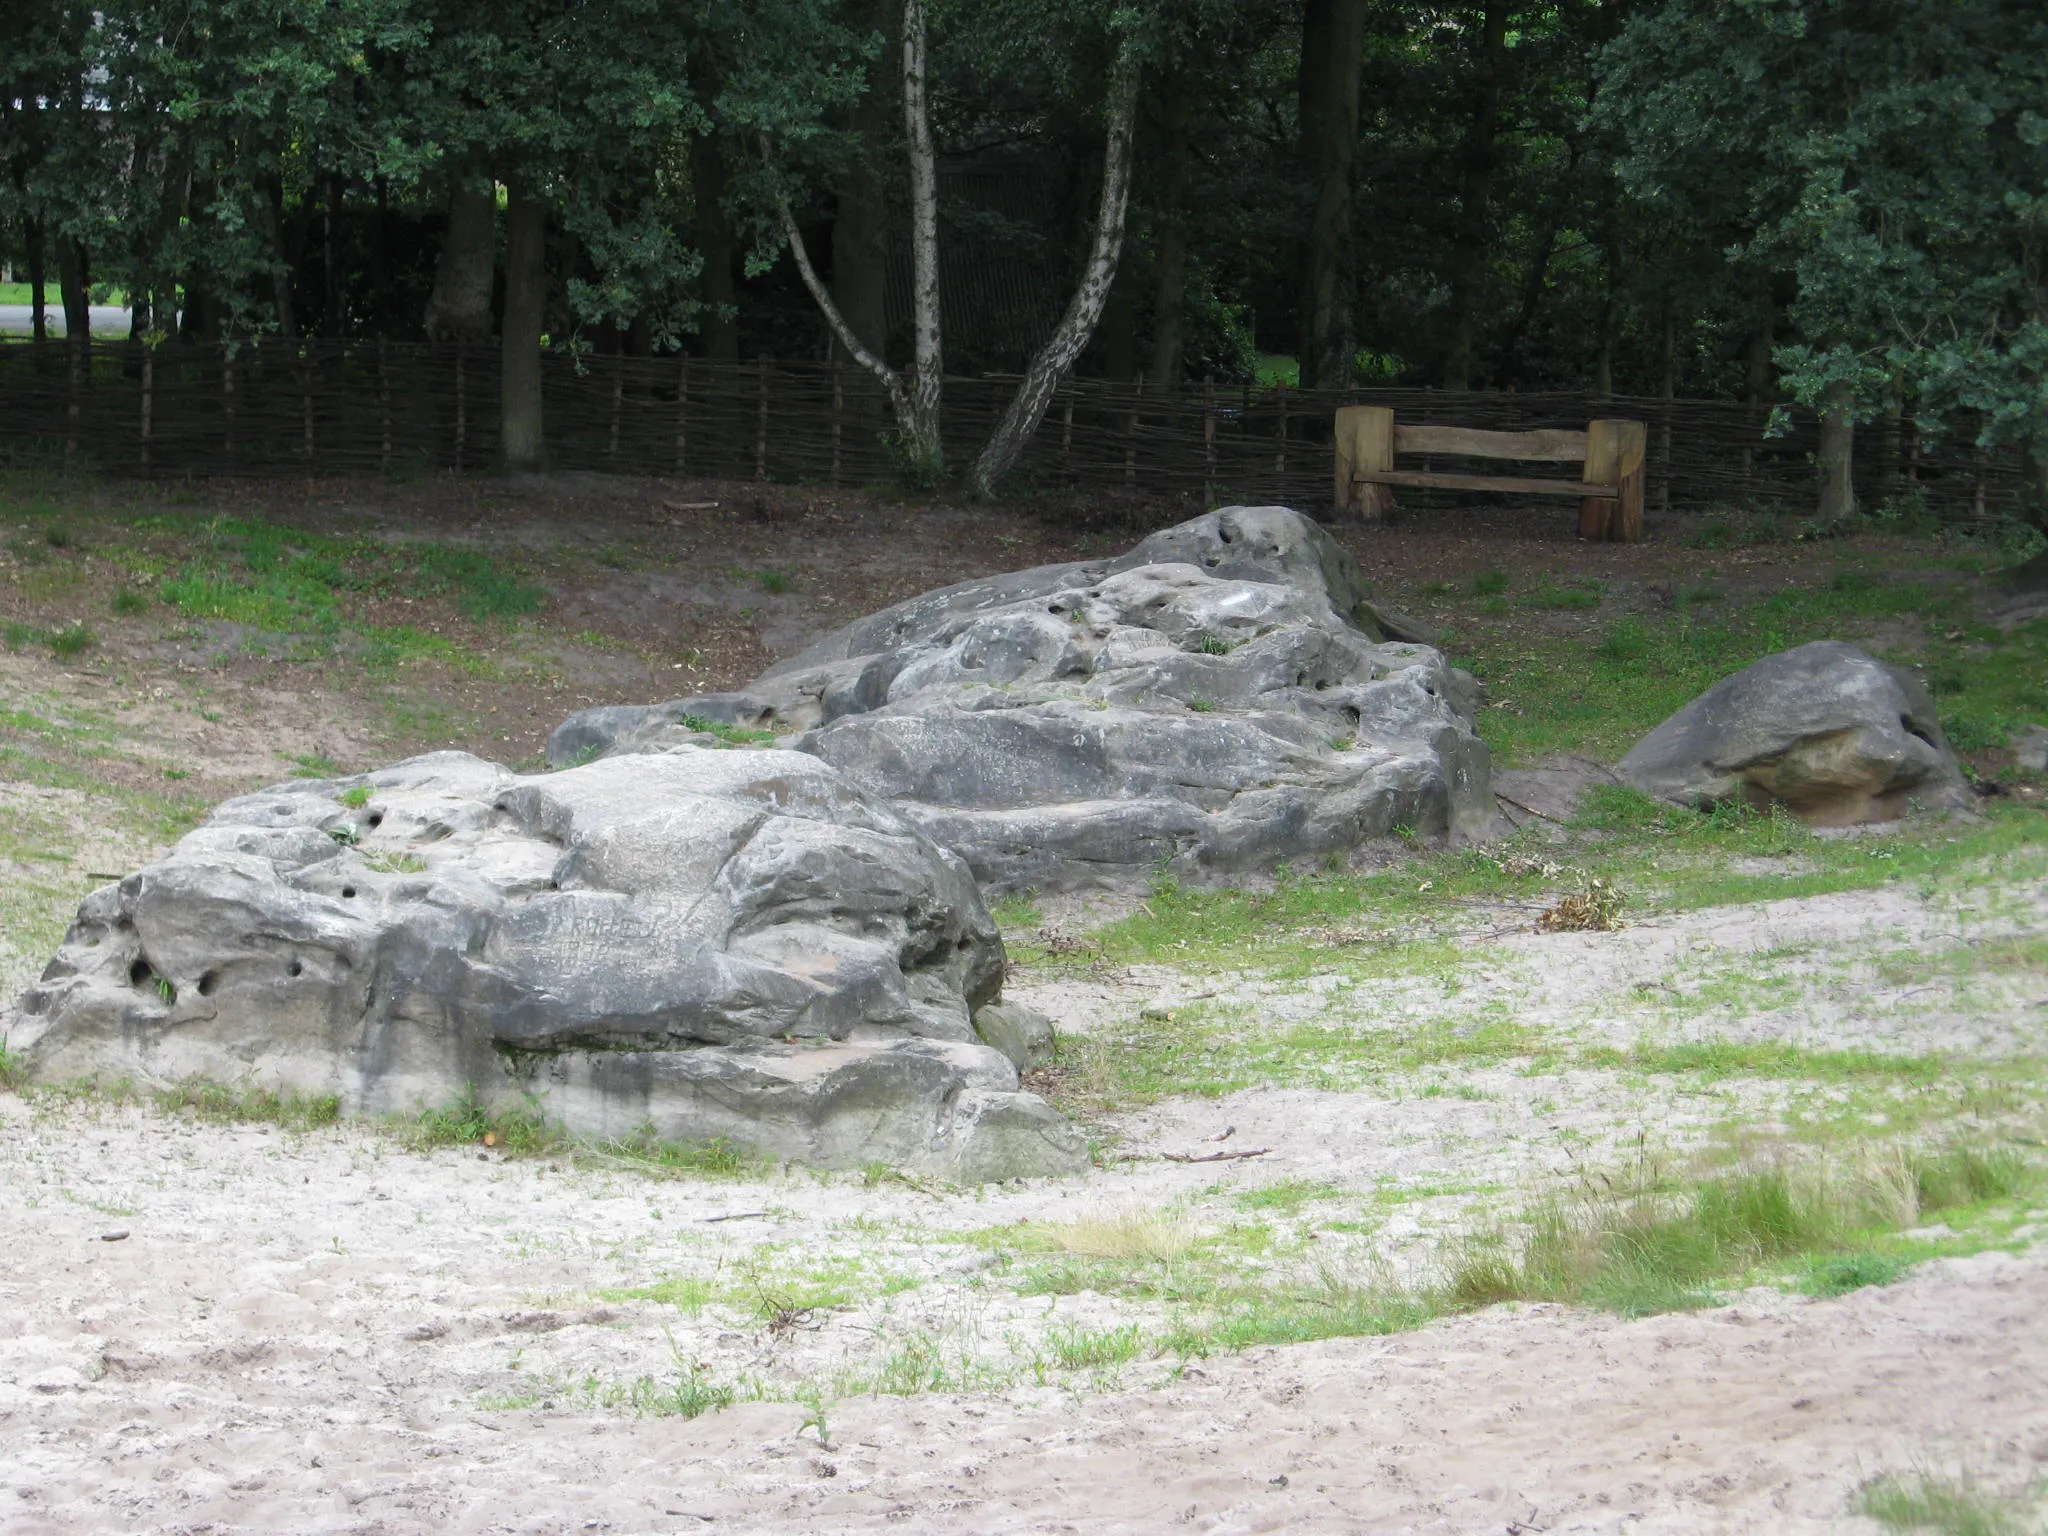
[(1645, 1242), (1940, 1506), (234, 1103), (466, 1122)]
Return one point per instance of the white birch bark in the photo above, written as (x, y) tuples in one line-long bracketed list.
[(927, 357), (1042, 378), (915, 400)]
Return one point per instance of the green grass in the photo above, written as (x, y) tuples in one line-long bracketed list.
[(1598, 699), (1082, 1349), (731, 735), (1941, 1506), (1644, 1242), (223, 1103)]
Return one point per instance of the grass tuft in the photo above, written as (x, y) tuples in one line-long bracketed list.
[(1130, 1234), (225, 1103), (1939, 1505)]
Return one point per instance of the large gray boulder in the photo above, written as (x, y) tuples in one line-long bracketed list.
[(1222, 697), (710, 943), (1827, 730)]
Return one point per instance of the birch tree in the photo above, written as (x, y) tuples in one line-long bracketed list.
[(1053, 360), (915, 398)]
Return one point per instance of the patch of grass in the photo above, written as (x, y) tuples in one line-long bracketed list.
[(1286, 1196), (1939, 1505), (731, 735), (467, 1122), (12, 1072), (682, 1292), (1490, 583), (1567, 596), (355, 799), (481, 588), (396, 863), (1082, 1349), (646, 1151), (774, 581), (1018, 910), (1838, 1274), (1130, 1234), (128, 602), (237, 1103), (1717, 1059), (1644, 1242), (1215, 645)]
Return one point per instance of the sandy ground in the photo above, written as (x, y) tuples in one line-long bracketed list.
[(316, 1334)]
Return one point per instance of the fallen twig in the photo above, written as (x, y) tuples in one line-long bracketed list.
[(1215, 1157), (1518, 805), (736, 1216)]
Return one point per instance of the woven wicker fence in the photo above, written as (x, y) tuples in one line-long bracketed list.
[(371, 407)]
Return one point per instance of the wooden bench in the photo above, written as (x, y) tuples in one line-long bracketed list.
[(1609, 487)]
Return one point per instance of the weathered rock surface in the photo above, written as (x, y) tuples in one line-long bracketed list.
[(1832, 733), (713, 943), (1222, 697)]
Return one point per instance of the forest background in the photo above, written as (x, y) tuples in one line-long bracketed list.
[(1839, 204)]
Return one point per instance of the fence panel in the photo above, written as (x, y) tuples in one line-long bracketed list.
[(269, 406)]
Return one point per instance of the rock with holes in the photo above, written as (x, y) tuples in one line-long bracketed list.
[(711, 943), (1826, 730), (1223, 697)]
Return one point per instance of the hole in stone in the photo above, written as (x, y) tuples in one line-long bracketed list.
[(140, 973), (348, 891), (294, 969), (207, 983), (374, 819)]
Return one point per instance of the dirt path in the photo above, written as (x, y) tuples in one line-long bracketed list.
[(218, 1371)]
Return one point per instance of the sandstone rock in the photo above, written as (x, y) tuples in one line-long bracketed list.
[(1832, 733), (2030, 749), (1022, 1034), (1220, 698), (711, 943)]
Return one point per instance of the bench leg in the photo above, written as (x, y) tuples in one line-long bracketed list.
[(1598, 514), (1628, 511), (1365, 445)]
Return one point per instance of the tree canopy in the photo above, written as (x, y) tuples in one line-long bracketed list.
[(1842, 203)]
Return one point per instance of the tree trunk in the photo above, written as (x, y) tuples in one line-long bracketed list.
[(860, 231), (459, 308), (519, 411), (719, 323), (1333, 45), (1837, 435), (1169, 303), (330, 260), (39, 310), (925, 445), (1042, 377), (1759, 382), (1120, 333), (914, 399), (1468, 251), (271, 194), (74, 278)]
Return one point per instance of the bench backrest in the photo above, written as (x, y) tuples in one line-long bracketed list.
[(1550, 445)]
